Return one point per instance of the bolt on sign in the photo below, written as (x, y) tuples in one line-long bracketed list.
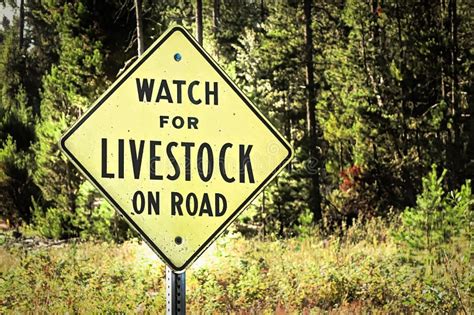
[(177, 148)]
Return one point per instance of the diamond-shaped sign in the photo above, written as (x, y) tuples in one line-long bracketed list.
[(177, 148)]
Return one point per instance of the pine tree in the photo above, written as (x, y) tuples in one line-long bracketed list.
[(68, 90), (16, 131)]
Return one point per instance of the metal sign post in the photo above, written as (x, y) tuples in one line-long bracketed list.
[(175, 292)]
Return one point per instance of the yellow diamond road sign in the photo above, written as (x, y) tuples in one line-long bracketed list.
[(177, 148)]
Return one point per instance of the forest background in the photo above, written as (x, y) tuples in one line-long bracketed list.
[(376, 97)]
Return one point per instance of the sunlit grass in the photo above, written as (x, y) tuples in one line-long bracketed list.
[(360, 272)]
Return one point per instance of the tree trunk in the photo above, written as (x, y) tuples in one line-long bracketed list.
[(264, 215), (312, 163), (216, 16), (457, 125), (22, 25), (440, 40), (199, 21), (138, 15)]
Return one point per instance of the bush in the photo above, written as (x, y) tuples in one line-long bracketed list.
[(428, 228), (93, 218)]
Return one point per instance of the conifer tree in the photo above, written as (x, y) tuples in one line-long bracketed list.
[(16, 130), (68, 90)]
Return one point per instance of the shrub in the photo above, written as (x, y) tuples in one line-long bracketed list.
[(93, 218), (428, 228)]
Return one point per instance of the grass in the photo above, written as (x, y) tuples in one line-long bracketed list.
[(363, 271)]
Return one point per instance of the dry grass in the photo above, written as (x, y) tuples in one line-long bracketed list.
[(362, 272)]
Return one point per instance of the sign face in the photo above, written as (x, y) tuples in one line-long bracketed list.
[(177, 148)]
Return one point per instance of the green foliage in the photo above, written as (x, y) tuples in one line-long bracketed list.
[(387, 105), (93, 219), (268, 67), (68, 89), (16, 133), (94, 216), (16, 189), (393, 93), (52, 223), (427, 230)]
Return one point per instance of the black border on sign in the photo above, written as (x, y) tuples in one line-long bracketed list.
[(114, 87)]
